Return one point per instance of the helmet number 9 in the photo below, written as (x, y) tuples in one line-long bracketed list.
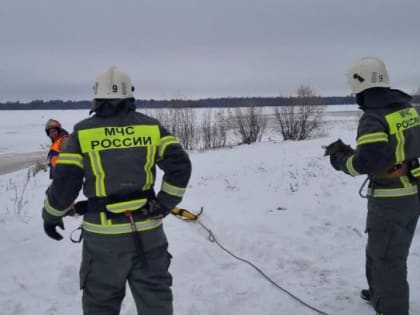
[(114, 88)]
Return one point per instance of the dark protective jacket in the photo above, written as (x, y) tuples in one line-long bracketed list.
[(388, 137), (113, 156)]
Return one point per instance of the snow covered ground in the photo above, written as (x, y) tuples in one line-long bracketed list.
[(277, 204)]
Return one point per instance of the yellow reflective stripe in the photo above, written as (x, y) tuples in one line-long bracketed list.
[(121, 228), (108, 138), (172, 190), (405, 181), (372, 137), (415, 172), (398, 122), (164, 142), (98, 172), (150, 162), (53, 211), (350, 168), (71, 159), (399, 149), (102, 218), (393, 192), (131, 205), (402, 120)]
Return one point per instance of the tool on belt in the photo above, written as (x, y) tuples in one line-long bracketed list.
[(81, 207), (395, 171), (137, 238), (186, 214)]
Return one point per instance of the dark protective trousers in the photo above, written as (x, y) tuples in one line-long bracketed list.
[(110, 261), (391, 223)]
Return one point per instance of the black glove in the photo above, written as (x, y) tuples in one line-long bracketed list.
[(338, 146), (155, 209), (337, 160), (50, 229)]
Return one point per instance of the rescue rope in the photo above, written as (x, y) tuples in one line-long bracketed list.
[(361, 194), (212, 238)]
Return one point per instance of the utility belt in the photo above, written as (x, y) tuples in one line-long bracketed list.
[(120, 214), (414, 168), (410, 168), (117, 206), (395, 171), (407, 174)]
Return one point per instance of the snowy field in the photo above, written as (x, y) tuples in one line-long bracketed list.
[(23, 131), (277, 204)]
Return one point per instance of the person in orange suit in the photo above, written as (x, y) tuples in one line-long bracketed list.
[(58, 137)]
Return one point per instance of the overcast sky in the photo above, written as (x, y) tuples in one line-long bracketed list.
[(54, 49)]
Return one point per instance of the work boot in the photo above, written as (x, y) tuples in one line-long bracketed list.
[(365, 295)]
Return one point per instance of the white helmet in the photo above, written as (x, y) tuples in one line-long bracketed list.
[(113, 84), (366, 73)]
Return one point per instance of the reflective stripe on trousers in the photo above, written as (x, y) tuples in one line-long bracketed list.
[(392, 192)]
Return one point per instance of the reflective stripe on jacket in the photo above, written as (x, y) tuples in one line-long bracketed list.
[(116, 156), (388, 135)]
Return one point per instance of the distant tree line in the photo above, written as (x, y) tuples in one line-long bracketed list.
[(227, 102)]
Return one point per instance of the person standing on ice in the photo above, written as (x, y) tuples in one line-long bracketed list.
[(58, 137), (113, 155), (388, 148)]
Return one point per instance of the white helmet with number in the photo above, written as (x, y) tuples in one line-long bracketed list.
[(113, 84), (366, 73)]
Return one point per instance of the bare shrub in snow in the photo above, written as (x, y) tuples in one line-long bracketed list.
[(180, 121), (249, 123), (39, 166), (18, 192), (214, 130), (298, 122)]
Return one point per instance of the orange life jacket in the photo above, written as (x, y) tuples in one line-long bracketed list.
[(55, 149)]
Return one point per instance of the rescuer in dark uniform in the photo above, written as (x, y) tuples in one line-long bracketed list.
[(388, 148), (113, 156)]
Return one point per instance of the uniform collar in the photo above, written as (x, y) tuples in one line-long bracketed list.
[(376, 98)]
